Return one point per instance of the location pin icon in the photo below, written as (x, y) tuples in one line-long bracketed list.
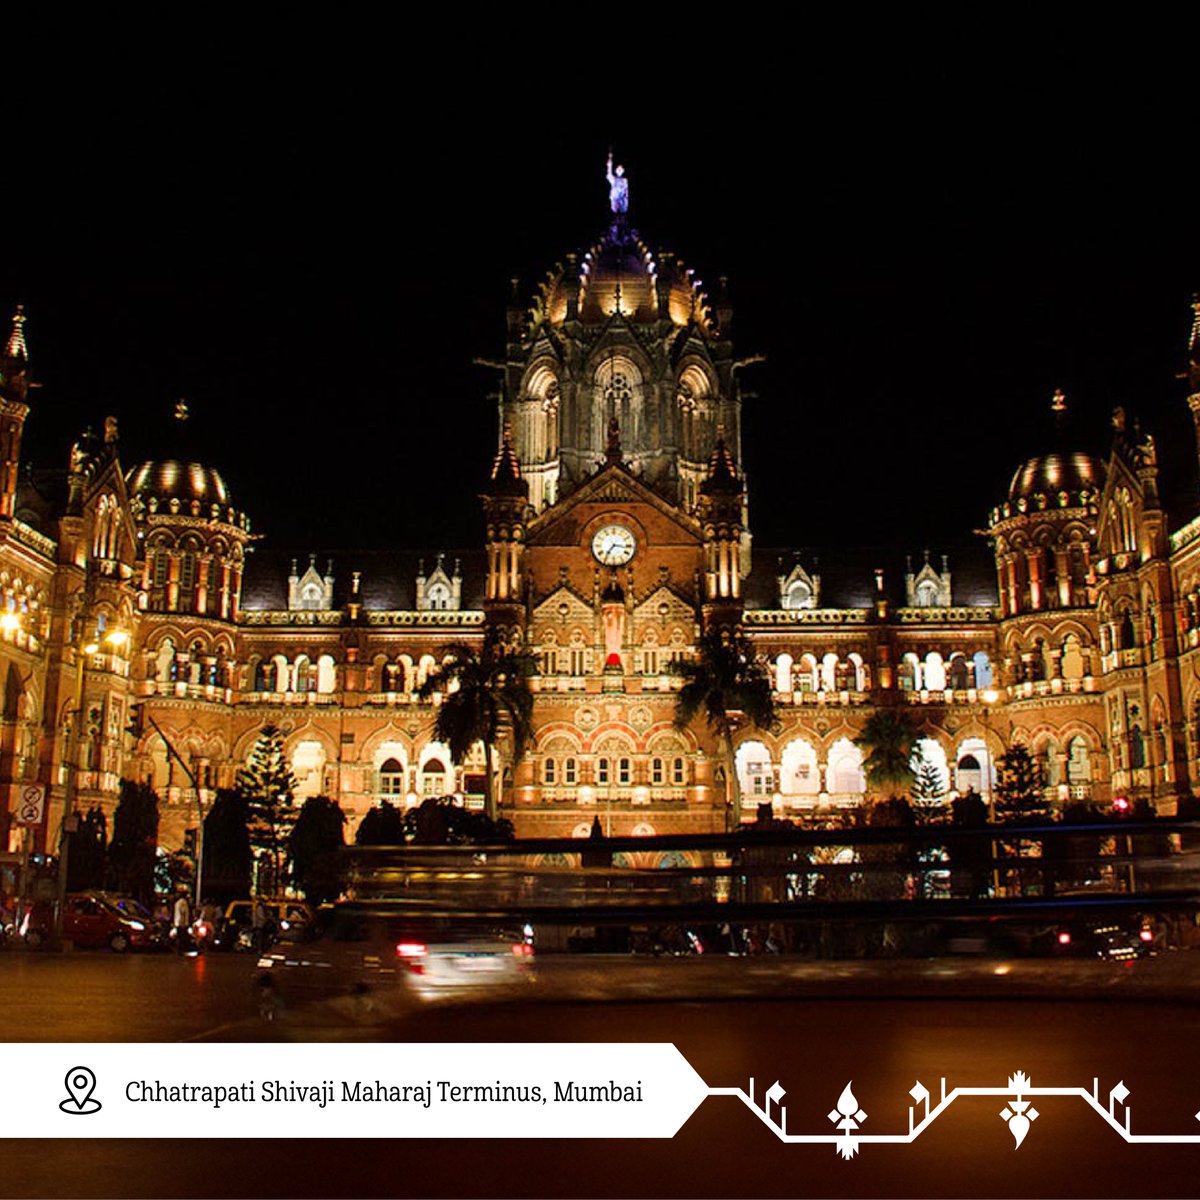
[(81, 1083)]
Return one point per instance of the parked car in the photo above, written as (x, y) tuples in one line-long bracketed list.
[(356, 949), (94, 919)]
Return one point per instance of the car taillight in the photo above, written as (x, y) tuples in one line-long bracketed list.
[(1064, 938), (522, 949), (411, 949)]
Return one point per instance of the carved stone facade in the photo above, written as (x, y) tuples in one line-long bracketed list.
[(616, 529)]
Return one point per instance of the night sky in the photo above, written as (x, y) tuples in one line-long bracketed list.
[(311, 247)]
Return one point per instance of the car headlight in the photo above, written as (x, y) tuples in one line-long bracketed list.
[(135, 925)]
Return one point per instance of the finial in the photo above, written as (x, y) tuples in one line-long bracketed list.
[(1058, 402), (181, 410), (110, 431), (329, 567), (355, 580), (312, 559), (16, 339)]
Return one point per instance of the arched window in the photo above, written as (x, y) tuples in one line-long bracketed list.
[(799, 595), (1079, 762), (983, 670), (657, 774), (570, 771), (959, 676), (1128, 637), (549, 771), (391, 778), (927, 594), (602, 771), (433, 778), (162, 562), (261, 683), (624, 771), (678, 771)]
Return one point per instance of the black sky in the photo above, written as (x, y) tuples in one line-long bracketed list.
[(312, 242)]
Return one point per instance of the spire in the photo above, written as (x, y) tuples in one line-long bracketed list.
[(506, 470), (1192, 371), (722, 473), (1058, 402), (16, 347)]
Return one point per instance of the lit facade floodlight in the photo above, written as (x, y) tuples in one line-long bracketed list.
[(116, 637), (10, 621)]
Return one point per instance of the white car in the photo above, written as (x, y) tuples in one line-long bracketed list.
[(363, 949)]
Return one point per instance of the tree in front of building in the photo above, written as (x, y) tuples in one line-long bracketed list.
[(269, 788), (889, 741), (484, 692), (928, 791), (383, 825), (85, 863), (315, 844), (724, 682), (134, 846), (443, 821), (1019, 795), (228, 856)]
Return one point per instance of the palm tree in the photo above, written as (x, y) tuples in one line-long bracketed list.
[(483, 690), (723, 680), (890, 741)]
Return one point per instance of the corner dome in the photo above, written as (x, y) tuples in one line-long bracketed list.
[(171, 479), (620, 272), (1075, 475)]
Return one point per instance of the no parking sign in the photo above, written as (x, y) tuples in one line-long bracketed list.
[(31, 803)]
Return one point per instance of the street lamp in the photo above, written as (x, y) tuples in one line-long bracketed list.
[(115, 637)]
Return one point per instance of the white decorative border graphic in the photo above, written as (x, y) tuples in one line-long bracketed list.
[(1018, 1113)]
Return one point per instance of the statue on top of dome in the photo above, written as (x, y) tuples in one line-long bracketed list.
[(618, 187)]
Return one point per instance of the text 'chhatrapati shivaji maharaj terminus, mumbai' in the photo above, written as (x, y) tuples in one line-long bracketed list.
[(617, 531)]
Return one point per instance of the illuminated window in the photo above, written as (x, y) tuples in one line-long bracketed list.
[(433, 778), (187, 572), (391, 778)]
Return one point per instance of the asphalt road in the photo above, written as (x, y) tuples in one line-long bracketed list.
[(814, 1046)]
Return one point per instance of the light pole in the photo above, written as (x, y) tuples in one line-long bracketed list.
[(82, 653)]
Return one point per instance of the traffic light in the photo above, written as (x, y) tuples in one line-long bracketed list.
[(137, 722), (189, 844)]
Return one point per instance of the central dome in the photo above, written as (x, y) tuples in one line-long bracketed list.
[(619, 273)]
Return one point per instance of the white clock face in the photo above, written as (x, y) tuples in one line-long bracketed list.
[(613, 545)]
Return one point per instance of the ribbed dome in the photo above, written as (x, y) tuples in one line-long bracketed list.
[(171, 479), (1054, 475), (619, 271)]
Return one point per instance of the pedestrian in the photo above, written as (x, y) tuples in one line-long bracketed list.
[(258, 925), (181, 919)]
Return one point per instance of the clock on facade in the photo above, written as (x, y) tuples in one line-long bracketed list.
[(613, 545)]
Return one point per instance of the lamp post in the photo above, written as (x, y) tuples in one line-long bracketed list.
[(117, 638)]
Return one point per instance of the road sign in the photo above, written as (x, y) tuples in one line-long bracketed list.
[(31, 803)]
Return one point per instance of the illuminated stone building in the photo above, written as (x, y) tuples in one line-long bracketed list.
[(616, 526)]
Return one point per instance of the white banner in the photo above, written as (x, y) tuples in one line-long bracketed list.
[(321, 1090)]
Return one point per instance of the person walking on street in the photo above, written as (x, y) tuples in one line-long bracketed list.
[(181, 919)]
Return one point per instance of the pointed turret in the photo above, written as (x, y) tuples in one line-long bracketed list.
[(14, 386), (505, 478)]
